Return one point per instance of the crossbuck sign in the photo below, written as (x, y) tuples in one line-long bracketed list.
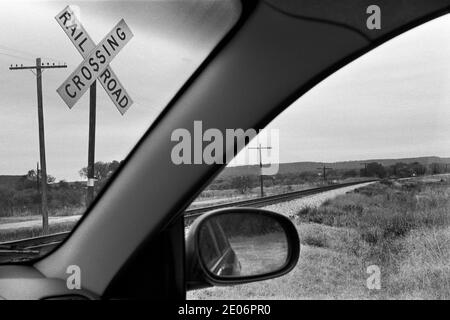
[(96, 61)]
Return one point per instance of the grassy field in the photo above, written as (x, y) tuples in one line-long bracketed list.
[(402, 227)]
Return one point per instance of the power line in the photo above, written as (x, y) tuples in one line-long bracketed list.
[(27, 59), (25, 54), (16, 50), (15, 56), (22, 53)]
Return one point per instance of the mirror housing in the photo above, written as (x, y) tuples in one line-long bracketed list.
[(200, 274)]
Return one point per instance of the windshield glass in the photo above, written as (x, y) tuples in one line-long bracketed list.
[(361, 166), (57, 126)]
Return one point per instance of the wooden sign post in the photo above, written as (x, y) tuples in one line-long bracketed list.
[(94, 66)]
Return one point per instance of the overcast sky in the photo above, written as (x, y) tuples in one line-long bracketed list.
[(392, 102), (156, 62)]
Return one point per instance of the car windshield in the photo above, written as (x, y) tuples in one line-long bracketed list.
[(62, 136)]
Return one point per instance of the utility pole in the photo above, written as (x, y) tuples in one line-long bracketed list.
[(324, 172), (365, 168), (39, 67), (38, 188), (91, 147), (261, 179), (37, 179)]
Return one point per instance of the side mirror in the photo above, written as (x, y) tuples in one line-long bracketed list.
[(239, 245)]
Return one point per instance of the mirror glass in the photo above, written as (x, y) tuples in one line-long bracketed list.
[(242, 244)]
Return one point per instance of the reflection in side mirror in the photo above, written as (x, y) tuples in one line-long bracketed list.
[(234, 245), (239, 245)]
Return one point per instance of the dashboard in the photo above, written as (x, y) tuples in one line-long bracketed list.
[(27, 283)]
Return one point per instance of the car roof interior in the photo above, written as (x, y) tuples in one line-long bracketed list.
[(276, 52)]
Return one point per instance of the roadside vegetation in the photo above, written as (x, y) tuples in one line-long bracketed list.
[(403, 227), (20, 200), (241, 186), (20, 195), (23, 198)]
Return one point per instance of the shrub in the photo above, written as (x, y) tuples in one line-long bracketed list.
[(314, 239), (384, 211)]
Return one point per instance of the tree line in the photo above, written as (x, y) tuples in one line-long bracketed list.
[(402, 170), (243, 183), (23, 196)]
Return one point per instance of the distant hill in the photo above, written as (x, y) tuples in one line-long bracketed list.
[(8, 181), (295, 167)]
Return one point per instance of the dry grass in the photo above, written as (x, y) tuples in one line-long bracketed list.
[(322, 273), (424, 266), (17, 234), (402, 227)]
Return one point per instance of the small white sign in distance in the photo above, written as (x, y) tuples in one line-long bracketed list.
[(74, 29), (94, 67)]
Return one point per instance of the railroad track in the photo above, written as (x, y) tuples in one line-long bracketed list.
[(192, 214), (49, 241)]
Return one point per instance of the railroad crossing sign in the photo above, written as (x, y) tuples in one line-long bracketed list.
[(95, 65)]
